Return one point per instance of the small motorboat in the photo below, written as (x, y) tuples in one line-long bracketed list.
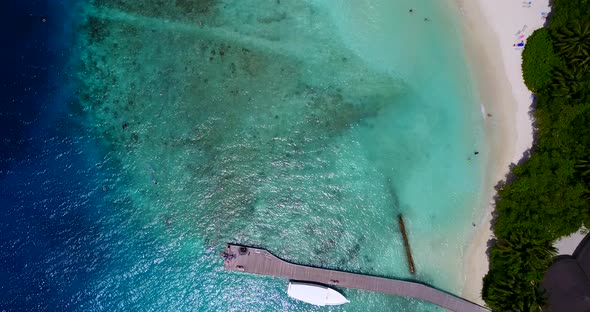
[(315, 294)]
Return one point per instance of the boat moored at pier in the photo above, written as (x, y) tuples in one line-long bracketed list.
[(315, 294)]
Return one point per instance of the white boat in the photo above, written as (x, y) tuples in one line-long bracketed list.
[(315, 294)]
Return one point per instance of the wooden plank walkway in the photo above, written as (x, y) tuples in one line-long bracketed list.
[(259, 261)]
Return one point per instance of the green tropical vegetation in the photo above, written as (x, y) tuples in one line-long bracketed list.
[(547, 196), (538, 60)]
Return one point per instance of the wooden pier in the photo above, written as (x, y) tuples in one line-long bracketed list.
[(259, 261)]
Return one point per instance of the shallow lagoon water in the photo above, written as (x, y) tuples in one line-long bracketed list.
[(301, 127)]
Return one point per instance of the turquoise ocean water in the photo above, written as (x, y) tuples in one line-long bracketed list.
[(303, 127)]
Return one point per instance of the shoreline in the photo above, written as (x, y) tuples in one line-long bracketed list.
[(489, 30)]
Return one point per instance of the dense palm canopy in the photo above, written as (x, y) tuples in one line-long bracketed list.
[(548, 197), (573, 43), (527, 254), (570, 83), (524, 259), (583, 167)]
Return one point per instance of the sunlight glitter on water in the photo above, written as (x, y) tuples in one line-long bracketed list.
[(273, 124)]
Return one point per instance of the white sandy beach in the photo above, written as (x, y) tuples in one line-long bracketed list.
[(568, 244), (491, 31)]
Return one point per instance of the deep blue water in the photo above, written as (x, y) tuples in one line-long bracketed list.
[(47, 175)]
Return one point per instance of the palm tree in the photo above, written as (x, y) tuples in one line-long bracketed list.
[(570, 83), (517, 286), (523, 244), (513, 295), (583, 168), (574, 43)]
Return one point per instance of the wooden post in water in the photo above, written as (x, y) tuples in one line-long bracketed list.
[(402, 228)]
